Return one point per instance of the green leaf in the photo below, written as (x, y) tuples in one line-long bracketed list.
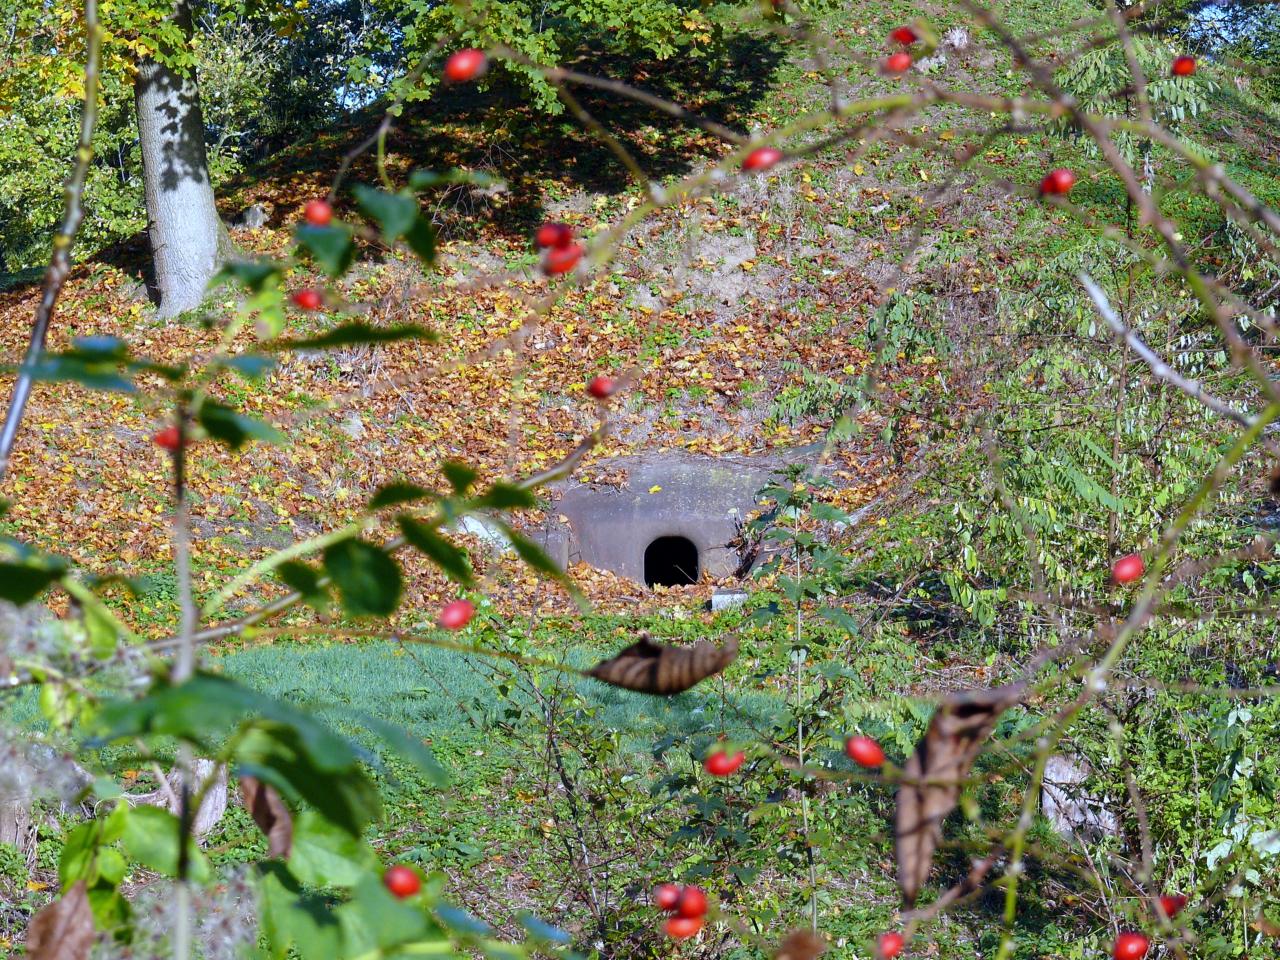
[(374, 920), (841, 619), (394, 212), (410, 748), (20, 583), (390, 494), (459, 475), (535, 556), (332, 782), (251, 366), (541, 930), (232, 428), (448, 557), (425, 179), (421, 238), (506, 496), (151, 838), (330, 247), (368, 579), (280, 744), (291, 918), (326, 856), (358, 332), (255, 275), (303, 579)]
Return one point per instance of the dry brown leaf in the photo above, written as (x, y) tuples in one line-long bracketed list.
[(1265, 925), (64, 929), (932, 777), (654, 668), (801, 945), (270, 814)]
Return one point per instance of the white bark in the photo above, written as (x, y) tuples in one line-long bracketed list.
[(188, 240)]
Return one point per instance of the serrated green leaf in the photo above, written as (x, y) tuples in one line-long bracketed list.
[(459, 475), (368, 579), (151, 838), (330, 247), (325, 855), (390, 494), (357, 333), (232, 428), (20, 583), (506, 496), (447, 556), (396, 213)]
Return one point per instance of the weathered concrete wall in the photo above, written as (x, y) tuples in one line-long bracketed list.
[(701, 498)]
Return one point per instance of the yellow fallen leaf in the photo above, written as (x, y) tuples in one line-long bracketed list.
[(655, 489)]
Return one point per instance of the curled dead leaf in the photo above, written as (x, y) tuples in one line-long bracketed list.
[(932, 777), (64, 929), (270, 814), (651, 667), (801, 945)]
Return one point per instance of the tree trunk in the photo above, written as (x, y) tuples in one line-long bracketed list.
[(188, 240)]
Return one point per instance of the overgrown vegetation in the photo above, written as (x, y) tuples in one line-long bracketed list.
[(989, 394)]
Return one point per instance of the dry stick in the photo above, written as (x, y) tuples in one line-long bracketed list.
[(60, 263), (183, 668), (1159, 369)]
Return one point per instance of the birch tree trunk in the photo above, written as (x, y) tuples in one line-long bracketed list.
[(188, 240)]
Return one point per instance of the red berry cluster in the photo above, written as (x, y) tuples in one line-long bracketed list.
[(687, 905), (560, 253), (1133, 944)]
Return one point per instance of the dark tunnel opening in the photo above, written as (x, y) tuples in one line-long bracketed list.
[(671, 562)]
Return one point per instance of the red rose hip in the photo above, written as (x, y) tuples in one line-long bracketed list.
[(761, 159), (1057, 183), (1184, 66), (897, 64), (1172, 904), (168, 439), (553, 235), (465, 65), (904, 35), (692, 903), (318, 213), (401, 881), (1128, 569), (864, 751), (560, 260), (1130, 945), (601, 387), (890, 945), (680, 928), (307, 300), (457, 614), (721, 763), (666, 897)]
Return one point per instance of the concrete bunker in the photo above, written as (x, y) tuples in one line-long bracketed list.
[(675, 521)]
